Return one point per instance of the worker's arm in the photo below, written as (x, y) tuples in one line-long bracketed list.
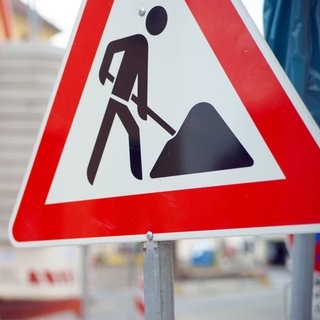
[(112, 48)]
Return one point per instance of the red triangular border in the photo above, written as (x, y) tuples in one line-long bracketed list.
[(293, 201)]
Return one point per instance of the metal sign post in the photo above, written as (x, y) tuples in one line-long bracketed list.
[(158, 279), (85, 289), (302, 277)]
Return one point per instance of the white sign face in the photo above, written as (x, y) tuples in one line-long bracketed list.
[(177, 82)]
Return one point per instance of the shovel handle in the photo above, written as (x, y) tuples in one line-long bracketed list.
[(156, 117)]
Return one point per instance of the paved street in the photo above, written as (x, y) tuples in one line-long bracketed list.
[(223, 299), (227, 299), (210, 299)]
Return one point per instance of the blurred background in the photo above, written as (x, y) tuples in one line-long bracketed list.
[(227, 278)]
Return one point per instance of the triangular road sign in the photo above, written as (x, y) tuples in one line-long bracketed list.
[(179, 122)]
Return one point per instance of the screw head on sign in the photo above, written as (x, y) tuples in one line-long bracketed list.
[(149, 236), (142, 11)]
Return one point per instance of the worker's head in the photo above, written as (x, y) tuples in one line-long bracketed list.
[(156, 20)]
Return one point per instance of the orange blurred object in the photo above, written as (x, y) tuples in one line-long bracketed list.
[(6, 18)]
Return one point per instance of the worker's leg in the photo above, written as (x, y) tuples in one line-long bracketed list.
[(132, 129), (134, 140), (101, 140)]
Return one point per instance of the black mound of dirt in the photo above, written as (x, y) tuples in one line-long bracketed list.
[(204, 143)]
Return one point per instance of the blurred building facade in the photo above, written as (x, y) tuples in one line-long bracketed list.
[(28, 70), (33, 281), (19, 21)]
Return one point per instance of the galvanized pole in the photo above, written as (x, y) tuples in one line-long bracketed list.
[(85, 274), (158, 280), (302, 277)]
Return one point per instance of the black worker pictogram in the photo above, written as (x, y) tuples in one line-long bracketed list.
[(203, 143)]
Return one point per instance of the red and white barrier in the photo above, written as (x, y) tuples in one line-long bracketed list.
[(139, 301)]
